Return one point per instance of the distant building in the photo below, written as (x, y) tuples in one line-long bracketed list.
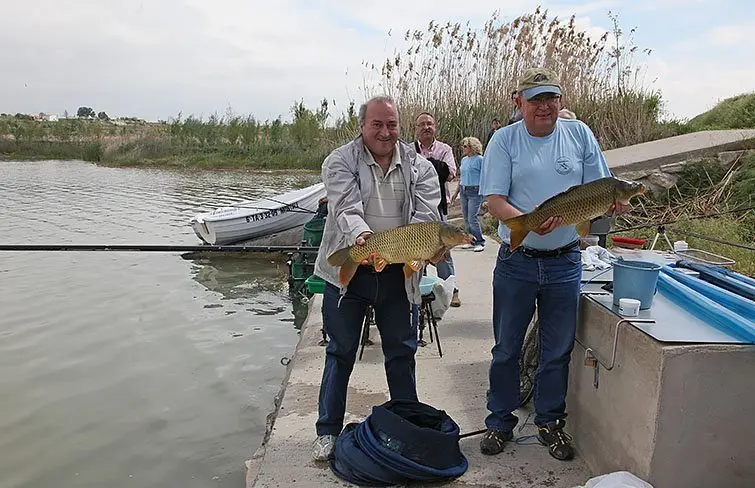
[(44, 116)]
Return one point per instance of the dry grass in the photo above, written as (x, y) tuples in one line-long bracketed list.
[(464, 76)]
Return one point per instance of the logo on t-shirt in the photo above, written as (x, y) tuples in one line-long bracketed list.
[(564, 165)]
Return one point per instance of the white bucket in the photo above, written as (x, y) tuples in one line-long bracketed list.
[(629, 307)]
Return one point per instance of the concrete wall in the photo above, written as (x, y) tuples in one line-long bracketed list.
[(674, 415), (706, 431), (614, 426)]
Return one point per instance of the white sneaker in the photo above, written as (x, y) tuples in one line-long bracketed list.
[(323, 447), (466, 246), (479, 248)]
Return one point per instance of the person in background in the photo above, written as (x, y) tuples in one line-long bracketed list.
[(469, 189), (516, 115), (494, 126), (565, 113), (525, 164), (438, 153), (373, 183)]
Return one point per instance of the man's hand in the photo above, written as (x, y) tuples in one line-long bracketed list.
[(548, 226), (360, 240), (362, 237), (618, 208)]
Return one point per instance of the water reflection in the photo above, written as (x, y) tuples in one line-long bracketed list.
[(256, 283), (115, 364)]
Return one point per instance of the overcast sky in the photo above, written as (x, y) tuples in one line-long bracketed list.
[(153, 59)]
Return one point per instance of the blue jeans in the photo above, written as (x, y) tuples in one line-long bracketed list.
[(445, 267), (518, 283), (343, 319), (470, 206)]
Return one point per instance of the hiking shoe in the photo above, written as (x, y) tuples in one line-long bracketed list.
[(323, 447), (455, 302), (558, 442), (493, 441)]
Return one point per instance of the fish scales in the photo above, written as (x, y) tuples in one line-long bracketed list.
[(411, 244), (577, 206)]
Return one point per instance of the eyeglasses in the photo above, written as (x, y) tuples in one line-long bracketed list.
[(545, 100)]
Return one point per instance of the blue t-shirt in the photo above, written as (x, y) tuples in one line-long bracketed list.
[(529, 170), (470, 170)]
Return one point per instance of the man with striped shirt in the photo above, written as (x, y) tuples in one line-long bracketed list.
[(373, 183)]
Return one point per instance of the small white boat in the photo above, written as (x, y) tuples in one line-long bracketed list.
[(256, 218)]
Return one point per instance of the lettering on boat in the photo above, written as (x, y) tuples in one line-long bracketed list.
[(272, 212)]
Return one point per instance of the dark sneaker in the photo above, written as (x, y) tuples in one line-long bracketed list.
[(323, 447), (558, 442), (493, 441)]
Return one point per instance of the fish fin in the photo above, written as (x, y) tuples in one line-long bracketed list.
[(347, 272), (583, 228), (438, 257), (379, 263), (518, 232), (338, 258), (412, 267)]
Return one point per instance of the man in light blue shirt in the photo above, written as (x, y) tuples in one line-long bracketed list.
[(526, 163)]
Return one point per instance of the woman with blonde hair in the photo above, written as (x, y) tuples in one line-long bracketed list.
[(469, 189)]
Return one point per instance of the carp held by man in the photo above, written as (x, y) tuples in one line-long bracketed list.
[(577, 206), (411, 244)]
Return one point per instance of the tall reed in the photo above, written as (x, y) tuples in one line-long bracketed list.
[(464, 76)]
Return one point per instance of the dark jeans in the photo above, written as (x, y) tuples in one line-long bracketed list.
[(518, 283), (343, 318)]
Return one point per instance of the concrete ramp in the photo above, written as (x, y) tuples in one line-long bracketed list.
[(653, 154)]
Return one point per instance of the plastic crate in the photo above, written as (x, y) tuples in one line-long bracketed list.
[(315, 284)]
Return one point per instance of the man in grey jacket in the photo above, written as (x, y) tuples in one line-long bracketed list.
[(373, 183)]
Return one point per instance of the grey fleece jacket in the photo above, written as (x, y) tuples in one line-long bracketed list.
[(349, 184)]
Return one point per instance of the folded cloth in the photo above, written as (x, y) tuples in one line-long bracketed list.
[(596, 257)]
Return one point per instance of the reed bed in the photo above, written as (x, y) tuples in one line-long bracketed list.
[(464, 76)]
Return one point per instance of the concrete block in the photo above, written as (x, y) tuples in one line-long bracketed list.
[(673, 415)]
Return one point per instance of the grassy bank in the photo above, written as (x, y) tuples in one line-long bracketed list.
[(462, 75), (218, 142)]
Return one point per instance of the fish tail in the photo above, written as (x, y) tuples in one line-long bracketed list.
[(348, 267), (347, 272), (518, 230)]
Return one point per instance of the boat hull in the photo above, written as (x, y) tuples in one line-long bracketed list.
[(258, 218)]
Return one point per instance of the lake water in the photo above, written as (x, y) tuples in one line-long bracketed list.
[(134, 369)]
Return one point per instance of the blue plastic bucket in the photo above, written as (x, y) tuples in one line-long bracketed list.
[(635, 279), (426, 284)]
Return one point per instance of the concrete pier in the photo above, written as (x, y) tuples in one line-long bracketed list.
[(456, 383)]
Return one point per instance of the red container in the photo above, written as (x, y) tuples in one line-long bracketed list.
[(628, 242)]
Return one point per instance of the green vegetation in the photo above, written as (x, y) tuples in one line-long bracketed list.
[(461, 75), (228, 141), (705, 201), (733, 113)]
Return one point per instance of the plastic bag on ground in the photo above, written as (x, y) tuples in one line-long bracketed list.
[(443, 291), (618, 479)]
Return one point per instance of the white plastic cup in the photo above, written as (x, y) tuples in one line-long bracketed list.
[(629, 307)]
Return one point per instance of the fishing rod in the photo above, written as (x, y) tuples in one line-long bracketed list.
[(152, 248)]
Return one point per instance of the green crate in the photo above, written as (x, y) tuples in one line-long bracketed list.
[(315, 284), (300, 271), (313, 229)]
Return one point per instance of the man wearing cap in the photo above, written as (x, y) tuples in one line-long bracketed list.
[(525, 164)]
